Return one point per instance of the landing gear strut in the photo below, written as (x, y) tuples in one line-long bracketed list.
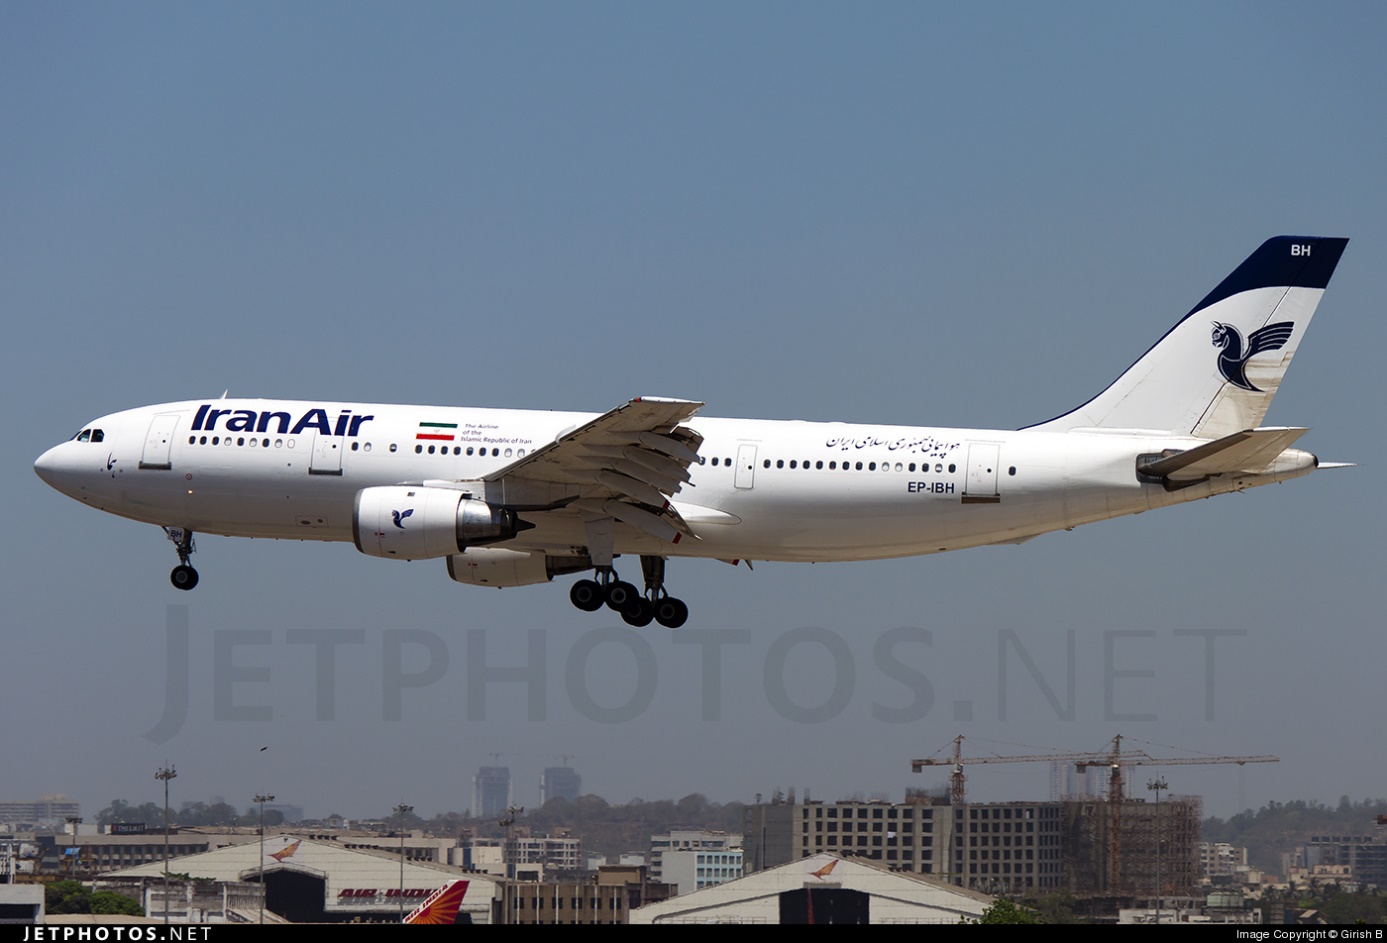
[(183, 576), (636, 608)]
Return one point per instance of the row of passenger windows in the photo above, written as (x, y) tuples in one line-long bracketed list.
[(924, 467), (848, 466), (253, 442), (459, 450)]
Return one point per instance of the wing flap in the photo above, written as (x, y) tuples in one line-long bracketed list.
[(625, 465)]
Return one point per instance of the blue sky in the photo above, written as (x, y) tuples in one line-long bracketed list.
[(932, 214)]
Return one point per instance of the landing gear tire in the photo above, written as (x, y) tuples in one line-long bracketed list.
[(183, 577), (587, 595), (671, 613), (621, 595), (640, 614)]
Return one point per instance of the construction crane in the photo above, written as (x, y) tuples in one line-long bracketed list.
[(1113, 758)]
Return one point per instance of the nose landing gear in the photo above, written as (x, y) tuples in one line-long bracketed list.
[(183, 576)]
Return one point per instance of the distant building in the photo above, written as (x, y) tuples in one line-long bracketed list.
[(691, 858), (537, 854), (1221, 860), (608, 899), (491, 794), (1365, 856), (50, 810), (560, 782), (994, 847), (1084, 846)]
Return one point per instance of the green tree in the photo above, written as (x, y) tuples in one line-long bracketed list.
[(109, 902), (66, 897), (1002, 910)]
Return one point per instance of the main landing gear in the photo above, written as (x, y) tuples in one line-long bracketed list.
[(183, 576), (636, 608)]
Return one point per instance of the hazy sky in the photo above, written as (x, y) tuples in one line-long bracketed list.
[(933, 214)]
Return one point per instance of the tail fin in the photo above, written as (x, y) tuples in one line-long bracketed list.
[(1214, 373), (441, 906)]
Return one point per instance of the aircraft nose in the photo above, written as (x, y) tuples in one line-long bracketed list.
[(46, 467)]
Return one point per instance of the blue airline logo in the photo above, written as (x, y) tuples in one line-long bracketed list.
[(248, 420)]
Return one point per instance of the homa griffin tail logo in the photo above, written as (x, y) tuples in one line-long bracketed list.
[(400, 516), (1232, 363)]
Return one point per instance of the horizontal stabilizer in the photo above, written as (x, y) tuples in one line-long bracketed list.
[(1248, 451)]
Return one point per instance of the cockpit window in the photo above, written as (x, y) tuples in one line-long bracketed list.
[(98, 435), (84, 436)]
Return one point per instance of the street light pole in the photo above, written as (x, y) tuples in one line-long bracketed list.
[(75, 821), (1157, 785), (402, 810), (262, 798), (165, 774)]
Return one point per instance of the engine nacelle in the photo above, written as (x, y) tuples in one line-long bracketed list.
[(418, 523), (500, 566)]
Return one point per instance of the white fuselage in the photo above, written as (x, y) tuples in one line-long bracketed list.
[(762, 490)]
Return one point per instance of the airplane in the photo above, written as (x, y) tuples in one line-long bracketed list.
[(517, 497)]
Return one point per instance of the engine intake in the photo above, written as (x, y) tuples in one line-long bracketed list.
[(419, 523)]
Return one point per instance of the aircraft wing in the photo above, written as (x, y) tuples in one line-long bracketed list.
[(626, 463)]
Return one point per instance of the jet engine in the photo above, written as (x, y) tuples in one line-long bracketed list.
[(501, 566), (418, 523)]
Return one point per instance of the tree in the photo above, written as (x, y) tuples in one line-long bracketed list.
[(66, 897), (1002, 910), (109, 902)]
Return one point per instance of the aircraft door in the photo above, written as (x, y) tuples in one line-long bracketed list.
[(981, 484), (158, 444), (745, 476), (327, 455)]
